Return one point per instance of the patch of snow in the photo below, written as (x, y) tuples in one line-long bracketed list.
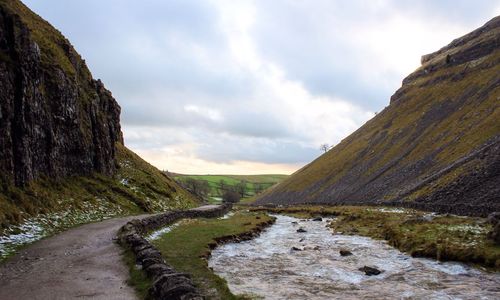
[(476, 229), (158, 233), (390, 210), (227, 216), (43, 225)]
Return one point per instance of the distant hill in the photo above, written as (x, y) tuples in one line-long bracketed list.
[(253, 183), (61, 147), (436, 146)]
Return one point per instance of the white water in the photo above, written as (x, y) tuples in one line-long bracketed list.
[(267, 267)]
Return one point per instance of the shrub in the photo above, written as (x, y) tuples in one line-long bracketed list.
[(231, 197)]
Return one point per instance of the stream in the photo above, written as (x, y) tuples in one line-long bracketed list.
[(268, 268)]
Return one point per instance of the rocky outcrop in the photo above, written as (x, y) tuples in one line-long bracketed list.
[(435, 147), (167, 283), (55, 119), (494, 220)]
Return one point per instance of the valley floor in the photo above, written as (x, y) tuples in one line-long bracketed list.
[(86, 263), (187, 244)]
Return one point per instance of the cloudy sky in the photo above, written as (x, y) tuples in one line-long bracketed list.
[(249, 87)]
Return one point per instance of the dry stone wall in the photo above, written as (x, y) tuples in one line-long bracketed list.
[(167, 282)]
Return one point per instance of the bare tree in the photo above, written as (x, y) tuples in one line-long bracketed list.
[(200, 188), (222, 187), (241, 188), (258, 187), (324, 147)]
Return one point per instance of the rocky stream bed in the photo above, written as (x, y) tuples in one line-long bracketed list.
[(301, 259)]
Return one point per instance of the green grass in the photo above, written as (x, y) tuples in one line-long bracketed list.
[(137, 277), (266, 180), (184, 247), (445, 237)]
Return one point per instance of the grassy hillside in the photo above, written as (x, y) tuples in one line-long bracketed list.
[(265, 181), (47, 205), (435, 146)]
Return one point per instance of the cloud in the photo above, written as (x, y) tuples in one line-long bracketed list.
[(359, 50), (253, 86)]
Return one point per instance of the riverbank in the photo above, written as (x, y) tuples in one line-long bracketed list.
[(188, 245), (299, 258), (418, 233)]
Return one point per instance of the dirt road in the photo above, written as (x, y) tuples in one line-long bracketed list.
[(81, 263)]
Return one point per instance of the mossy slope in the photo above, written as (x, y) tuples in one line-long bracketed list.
[(436, 146), (47, 206)]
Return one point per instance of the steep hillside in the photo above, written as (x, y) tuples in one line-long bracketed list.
[(62, 159), (436, 146)]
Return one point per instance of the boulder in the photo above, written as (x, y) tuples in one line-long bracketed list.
[(495, 234), (370, 271), (494, 218), (345, 252), (296, 249), (318, 219), (301, 230)]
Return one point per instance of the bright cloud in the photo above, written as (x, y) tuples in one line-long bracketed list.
[(253, 86)]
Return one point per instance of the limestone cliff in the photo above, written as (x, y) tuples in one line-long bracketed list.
[(62, 158), (55, 119)]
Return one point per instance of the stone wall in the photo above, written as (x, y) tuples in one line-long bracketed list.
[(167, 283)]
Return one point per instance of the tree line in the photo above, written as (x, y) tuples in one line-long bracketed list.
[(230, 193)]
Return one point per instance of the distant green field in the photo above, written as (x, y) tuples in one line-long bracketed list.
[(252, 182)]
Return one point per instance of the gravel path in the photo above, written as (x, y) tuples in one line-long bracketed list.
[(80, 263)]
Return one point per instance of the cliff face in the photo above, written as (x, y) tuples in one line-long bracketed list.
[(436, 146), (55, 120), (62, 159)]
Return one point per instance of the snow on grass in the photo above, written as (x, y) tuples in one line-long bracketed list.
[(227, 216), (390, 210), (469, 228), (158, 233), (43, 225)]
